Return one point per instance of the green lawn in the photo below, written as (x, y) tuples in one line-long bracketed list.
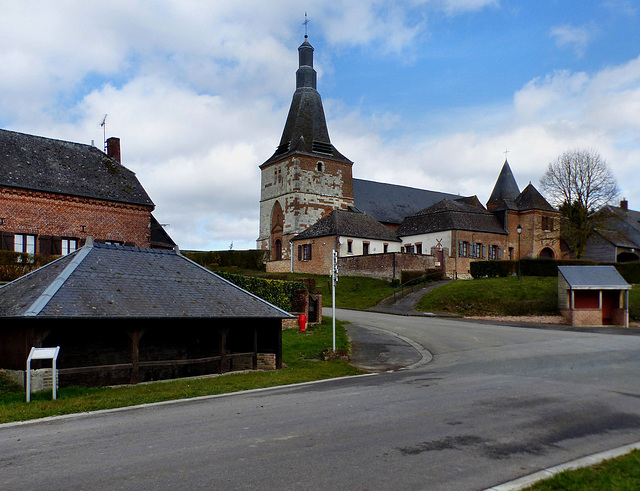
[(302, 355), (495, 296), (621, 474)]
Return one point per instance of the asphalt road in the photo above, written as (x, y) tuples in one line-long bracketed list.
[(481, 404)]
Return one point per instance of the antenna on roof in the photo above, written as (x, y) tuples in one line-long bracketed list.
[(103, 125), (305, 23)]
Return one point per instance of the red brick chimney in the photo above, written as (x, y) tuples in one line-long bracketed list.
[(113, 148), (624, 204)]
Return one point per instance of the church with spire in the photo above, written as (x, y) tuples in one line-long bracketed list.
[(311, 205)]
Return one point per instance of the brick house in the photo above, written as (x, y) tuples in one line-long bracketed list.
[(306, 179), (54, 194), (124, 315), (348, 232)]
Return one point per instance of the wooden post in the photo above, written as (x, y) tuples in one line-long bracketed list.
[(255, 347), (222, 347), (135, 336)]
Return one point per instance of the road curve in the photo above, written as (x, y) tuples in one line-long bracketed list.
[(494, 403)]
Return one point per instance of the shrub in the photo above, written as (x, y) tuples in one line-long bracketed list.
[(250, 259), (277, 292), (13, 265), (492, 269), (630, 272)]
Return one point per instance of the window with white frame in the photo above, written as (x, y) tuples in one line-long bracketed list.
[(24, 243), (68, 246)]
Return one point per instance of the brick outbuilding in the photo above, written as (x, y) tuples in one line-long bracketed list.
[(593, 296)]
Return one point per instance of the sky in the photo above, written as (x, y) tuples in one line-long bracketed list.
[(432, 94)]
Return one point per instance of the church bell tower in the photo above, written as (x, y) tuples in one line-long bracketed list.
[(306, 177)]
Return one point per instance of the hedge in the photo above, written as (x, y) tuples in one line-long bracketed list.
[(492, 269), (14, 265), (277, 292), (546, 267), (249, 259)]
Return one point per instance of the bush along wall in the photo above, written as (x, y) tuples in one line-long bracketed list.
[(250, 259), (528, 267), (630, 272), (493, 269), (13, 265), (277, 292)]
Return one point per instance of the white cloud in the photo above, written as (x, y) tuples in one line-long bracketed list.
[(577, 38)]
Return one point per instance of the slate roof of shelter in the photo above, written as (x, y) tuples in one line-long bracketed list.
[(349, 224), (391, 203), (506, 190), (451, 215), (593, 277), (108, 281), (61, 167)]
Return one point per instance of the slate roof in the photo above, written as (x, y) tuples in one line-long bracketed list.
[(451, 215), (61, 167), (622, 227), (349, 224), (593, 277), (305, 130), (506, 189), (108, 281), (391, 203), (531, 199)]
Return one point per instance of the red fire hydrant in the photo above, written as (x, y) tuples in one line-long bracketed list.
[(302, 320)]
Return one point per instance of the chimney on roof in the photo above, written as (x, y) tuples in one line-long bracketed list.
[(624, 204), (113, 148)]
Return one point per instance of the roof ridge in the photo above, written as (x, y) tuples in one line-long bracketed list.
[(44, 298)]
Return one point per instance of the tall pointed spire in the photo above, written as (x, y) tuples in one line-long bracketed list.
[(306, 127), (505, 190)]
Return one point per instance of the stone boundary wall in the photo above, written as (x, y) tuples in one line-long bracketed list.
[(266, 361), (41, 379)]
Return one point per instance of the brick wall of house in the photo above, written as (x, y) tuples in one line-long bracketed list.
[(458, 264), (37, 213), (321, 256), (534, 237)]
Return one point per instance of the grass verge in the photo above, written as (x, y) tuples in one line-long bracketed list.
[(533, 295), (622, 473), (302, 355)]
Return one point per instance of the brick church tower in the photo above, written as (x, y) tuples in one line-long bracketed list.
[(306, 178)]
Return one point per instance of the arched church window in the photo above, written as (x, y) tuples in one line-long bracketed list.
[(320, 166)]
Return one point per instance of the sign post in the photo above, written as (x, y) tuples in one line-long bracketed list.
[(43, 354), (334, 277)]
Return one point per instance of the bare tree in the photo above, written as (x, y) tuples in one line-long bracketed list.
[(581, 185)]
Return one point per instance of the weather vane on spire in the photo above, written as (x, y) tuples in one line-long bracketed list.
[(305, 23)]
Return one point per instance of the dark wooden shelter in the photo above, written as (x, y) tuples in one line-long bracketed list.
[(126, 315)]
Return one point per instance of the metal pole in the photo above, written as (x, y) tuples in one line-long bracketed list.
[(334, 268)]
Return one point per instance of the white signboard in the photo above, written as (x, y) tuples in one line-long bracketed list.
[(43, 354)]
